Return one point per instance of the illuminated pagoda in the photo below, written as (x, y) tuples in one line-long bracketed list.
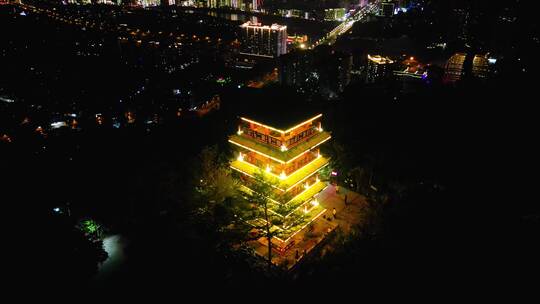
[(287, 153)]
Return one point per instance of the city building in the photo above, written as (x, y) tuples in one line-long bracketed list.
[(299, 41), (411, 67), (148, 3), (411, 75), (401, 6), (293, 13), (244, 5), (453, 70), (462, 65), (288, 154), (295, 68), (387, 8), (321, 71), (461, 30), (334, 14), (480, 66), (377, 68), (336, 75), (82, 2), (256, 5), (229, 3), (263, 40)]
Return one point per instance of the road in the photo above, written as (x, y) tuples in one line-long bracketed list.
[(360, 15)]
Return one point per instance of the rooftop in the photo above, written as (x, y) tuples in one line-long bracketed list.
[(280, 117), (278, 107), (287, 130), (274, 26), (379, 59)]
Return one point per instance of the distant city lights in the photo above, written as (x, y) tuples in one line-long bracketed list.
[(58, 124)]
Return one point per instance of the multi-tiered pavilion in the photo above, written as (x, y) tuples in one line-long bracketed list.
[(287, 152)]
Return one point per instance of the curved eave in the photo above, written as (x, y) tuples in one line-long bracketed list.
[(275, 154), (290, 181)]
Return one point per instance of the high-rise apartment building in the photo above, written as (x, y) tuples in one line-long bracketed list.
[(263, 40)]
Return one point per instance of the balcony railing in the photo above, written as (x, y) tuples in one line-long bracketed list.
[(285, 183), (277, 154)]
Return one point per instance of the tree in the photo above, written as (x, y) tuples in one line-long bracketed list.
[(91, 229), (217, 201), (271, 217), (260, 195), (65, 253), (234, 215), (340, 157), (213, 180)]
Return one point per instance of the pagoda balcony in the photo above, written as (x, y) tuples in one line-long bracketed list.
[(275, 153), (311, 214), (285, 234), (284, 183), (304, 196)]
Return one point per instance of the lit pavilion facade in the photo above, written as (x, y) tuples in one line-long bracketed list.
[(292, 158)]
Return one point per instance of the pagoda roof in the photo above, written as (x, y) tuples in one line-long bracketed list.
[(282, 119), (275, 153), (279, 109)]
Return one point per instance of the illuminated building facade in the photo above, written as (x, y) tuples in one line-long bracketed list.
[(412, 74), (290, 157), (256, 5), (265, 41), (80, 2), (244, 5), (387, 8), (480, 66), (147, 3), (453, 70), (377, 68), (462, 65), (334, 14)]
